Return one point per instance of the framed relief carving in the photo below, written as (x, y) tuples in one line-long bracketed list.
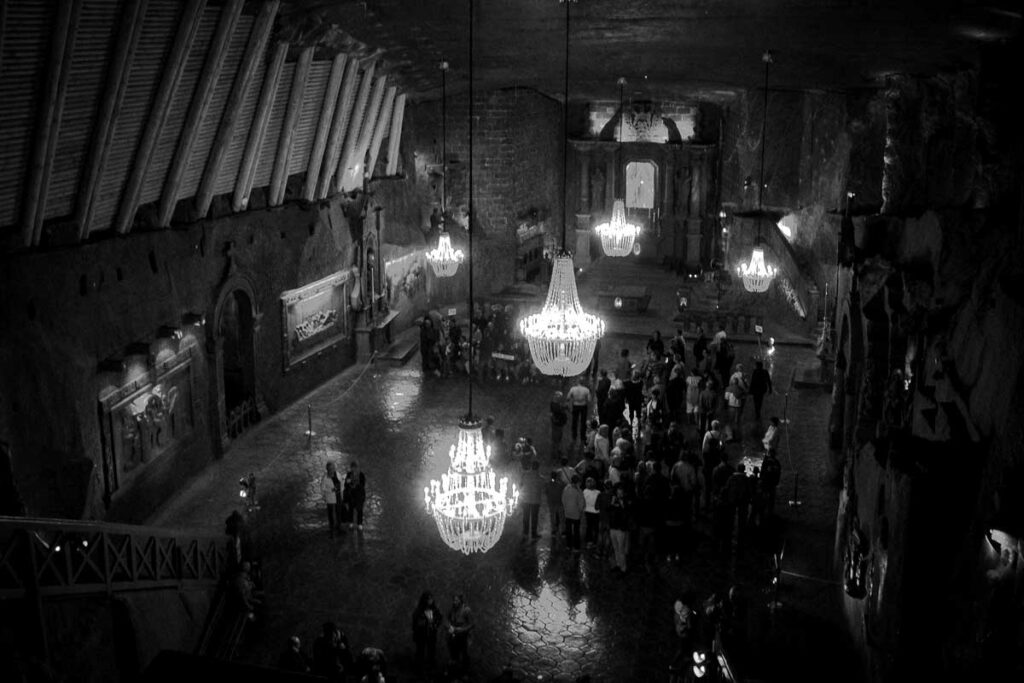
[(314, 317), (146, 418)]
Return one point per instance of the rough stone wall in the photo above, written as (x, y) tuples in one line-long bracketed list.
[(63, 312), (929, 391), (517, 149)]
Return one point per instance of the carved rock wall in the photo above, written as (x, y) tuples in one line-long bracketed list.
[(927, 406), (64, 312)]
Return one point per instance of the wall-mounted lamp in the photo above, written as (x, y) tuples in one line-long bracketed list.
[(196, 319)]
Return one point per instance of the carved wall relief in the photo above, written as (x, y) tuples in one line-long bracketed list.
[(143, 420)]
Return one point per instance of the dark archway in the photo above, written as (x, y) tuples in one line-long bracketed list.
[(235, 329)]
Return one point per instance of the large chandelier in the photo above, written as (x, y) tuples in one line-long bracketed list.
[(758, 275), (617, 235), (444, 260), (562, 336), (469, 503)]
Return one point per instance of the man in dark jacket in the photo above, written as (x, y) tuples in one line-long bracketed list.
[(760, 384)]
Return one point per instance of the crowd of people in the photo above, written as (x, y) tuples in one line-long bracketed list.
[(632, 481), (493, 342)]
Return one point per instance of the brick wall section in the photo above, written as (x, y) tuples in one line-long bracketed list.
[(517, 167)]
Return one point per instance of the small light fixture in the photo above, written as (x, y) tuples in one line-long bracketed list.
[(618, 302), (194, 319)]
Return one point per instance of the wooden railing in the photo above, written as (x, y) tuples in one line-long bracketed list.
[(241, 417), (47, 557)]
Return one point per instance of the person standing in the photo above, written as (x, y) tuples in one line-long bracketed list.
[(678, 346), (772, 436), (707, 402), (293, 659), (711, 452), (531, 489), (553, 492), (573, 504), (656, 345), (760, 384), (590, 511), (604, 385), (734, 399), (355, 495), (460, 623), (330, 491), (618, 525), (624, 368), (428, 344), (635, 395), (426, 620), (771, 473), (559, 417), (579, 400), (692, 396), (700, 346)]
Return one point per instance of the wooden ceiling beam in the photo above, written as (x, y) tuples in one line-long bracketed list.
[(254, 53), (174, 67), (354, 127), (342, 114), (395, 135), (279, 176), (383, 120), (44, 145), (258, 132), (100, 143), (353, 179), (197, 109), (323, 128)]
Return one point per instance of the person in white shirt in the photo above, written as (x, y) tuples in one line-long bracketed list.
[(771, 436), (590, 512), (579, 401), (602, 445), (330, 491)]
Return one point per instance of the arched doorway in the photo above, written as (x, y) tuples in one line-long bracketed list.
[(235, 329), (232, 347)]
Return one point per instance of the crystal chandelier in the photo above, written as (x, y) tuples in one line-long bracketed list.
[(758, 275), (469, 503), (444, 260), (562, 336), (617, 235)]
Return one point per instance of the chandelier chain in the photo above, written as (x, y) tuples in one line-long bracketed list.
[(565, 128)]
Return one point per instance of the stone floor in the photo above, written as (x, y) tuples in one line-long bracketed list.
[(538, 609)]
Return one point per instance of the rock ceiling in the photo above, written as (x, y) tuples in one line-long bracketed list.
[(678, 49)]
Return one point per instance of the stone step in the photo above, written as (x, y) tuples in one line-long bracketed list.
[(405, 345)]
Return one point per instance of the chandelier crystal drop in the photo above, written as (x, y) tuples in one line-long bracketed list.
[(444, 259), (617, 235), (470, 503), (562, 336), (757, 274)]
